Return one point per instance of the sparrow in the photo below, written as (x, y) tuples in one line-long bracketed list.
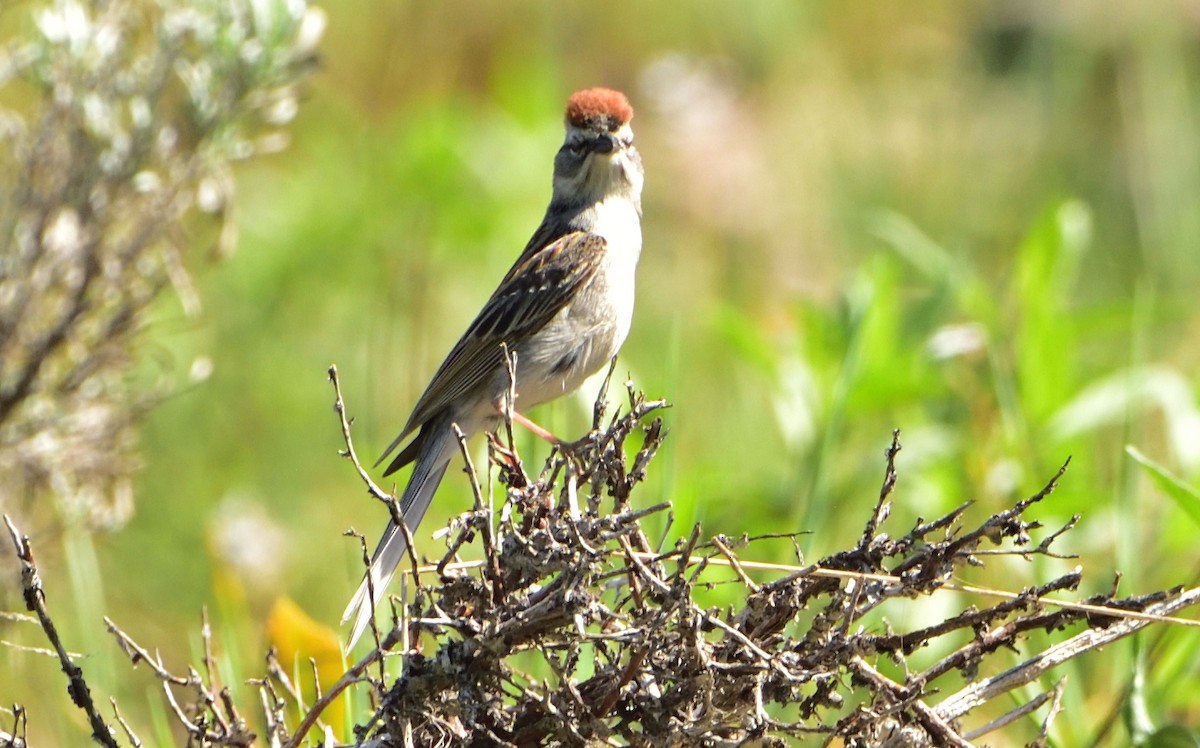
[(563, 310)]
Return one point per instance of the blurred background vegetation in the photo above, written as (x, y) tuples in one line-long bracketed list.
[(977, 222)]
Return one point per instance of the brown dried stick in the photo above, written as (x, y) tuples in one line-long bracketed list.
[(35, 602)]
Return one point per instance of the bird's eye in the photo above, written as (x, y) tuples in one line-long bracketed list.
[(578, 148)]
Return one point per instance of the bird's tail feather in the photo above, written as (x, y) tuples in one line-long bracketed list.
[(430, 466)]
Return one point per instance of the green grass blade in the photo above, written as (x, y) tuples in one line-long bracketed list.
[(1186, 496)]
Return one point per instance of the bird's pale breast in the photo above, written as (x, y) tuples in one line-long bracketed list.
[(589, 331)]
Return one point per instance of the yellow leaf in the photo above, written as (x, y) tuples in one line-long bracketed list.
[(298, 638)]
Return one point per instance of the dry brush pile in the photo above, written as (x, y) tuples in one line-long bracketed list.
[(626, 650), (568, 625)]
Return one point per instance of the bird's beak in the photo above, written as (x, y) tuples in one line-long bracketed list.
[(604, 144)]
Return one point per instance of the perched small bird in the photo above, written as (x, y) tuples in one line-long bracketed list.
[(563, 309)]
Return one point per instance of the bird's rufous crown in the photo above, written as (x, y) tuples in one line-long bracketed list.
[(599, 108)]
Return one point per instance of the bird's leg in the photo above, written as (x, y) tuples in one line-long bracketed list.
[(564, 446), (536, 429)]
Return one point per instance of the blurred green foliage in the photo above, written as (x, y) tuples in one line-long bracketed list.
[(976, 222)]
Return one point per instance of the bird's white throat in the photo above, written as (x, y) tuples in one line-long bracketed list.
[(619, 221)]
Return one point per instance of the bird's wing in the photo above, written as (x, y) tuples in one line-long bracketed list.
[(543, 238), (528, 297)]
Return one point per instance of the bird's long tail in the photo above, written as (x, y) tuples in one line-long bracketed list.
[(434, 454)]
